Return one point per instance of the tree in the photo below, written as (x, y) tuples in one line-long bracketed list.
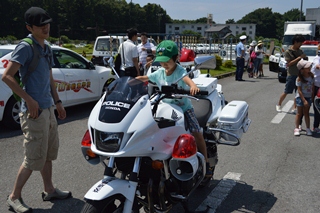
[(293, 15), (230, 21), (86, 19), (264, 20), (201, 20), (190, 32), (279, 22)]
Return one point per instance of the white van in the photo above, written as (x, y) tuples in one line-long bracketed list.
[(108, 46)]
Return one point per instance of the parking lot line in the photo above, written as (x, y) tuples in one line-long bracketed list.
[(278, 118), (220, 192)]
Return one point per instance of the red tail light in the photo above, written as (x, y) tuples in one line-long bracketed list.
[(184, 147), (318, 93), (86, 140)]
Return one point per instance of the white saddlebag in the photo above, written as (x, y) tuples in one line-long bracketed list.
[(234, 118), (206, 84)]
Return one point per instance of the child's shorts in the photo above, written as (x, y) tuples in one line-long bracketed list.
[(193, 124), (299, 101)]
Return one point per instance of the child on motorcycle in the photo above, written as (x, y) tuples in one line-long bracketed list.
[(167, 54)]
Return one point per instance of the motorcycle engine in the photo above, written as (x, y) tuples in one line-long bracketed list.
[(177, 187)]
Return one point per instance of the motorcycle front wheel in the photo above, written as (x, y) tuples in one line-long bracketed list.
[(113, 204)]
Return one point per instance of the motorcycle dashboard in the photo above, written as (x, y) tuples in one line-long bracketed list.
[(121, 95)]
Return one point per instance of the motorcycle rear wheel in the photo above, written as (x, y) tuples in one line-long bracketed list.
[(113, 204)]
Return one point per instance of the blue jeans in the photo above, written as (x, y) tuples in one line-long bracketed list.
[(256, 65), (290, 84), (240, 68)]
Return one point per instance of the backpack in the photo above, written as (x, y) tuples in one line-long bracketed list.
[(253, 55), (31, 66)]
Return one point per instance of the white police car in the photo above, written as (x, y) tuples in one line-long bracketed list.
[(278, 64), (77, 81)]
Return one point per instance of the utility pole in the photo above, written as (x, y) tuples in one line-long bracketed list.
[(301, 10), (159, 15)]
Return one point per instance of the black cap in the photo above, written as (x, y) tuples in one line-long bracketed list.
[(37, 16)]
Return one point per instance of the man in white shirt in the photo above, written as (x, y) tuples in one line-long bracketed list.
[(145, 48), (129, 54)]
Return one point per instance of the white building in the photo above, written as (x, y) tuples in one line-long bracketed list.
[(213, 30), (313, 14)]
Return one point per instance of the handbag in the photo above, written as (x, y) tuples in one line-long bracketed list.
[(253, 55), (130, 71)]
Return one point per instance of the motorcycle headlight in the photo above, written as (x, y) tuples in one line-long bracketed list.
[(283, 64), (108, 141)]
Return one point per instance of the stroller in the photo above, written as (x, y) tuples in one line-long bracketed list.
[(250, 69)]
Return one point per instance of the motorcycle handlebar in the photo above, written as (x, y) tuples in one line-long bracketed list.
[(187, 92), (173, 89)]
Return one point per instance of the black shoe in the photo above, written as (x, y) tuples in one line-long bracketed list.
[(241, 80)]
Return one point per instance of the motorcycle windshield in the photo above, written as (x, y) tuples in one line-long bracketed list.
[(121, 95)]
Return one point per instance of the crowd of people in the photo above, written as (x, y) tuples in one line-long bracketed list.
[(136, 59), (38, 121), (251, 58), (303, 78), (38, 99)]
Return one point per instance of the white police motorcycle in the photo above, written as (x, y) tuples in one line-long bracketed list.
[(150, 159)]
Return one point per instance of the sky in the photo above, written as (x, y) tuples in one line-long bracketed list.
[(223, 10)]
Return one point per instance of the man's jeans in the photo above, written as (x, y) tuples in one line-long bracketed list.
[(240, 68)]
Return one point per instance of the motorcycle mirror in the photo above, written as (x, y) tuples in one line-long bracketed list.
[(111, 65), (204, 62), (110, 61)]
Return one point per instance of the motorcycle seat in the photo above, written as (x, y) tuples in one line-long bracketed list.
[(203, 110)]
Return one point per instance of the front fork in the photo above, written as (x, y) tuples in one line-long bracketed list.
[(133, 182)]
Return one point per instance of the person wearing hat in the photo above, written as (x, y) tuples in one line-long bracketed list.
[(258, 61), (37, 118), (167, 54), (316, 72), (304, 95), (250, 60), (240, 52)]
